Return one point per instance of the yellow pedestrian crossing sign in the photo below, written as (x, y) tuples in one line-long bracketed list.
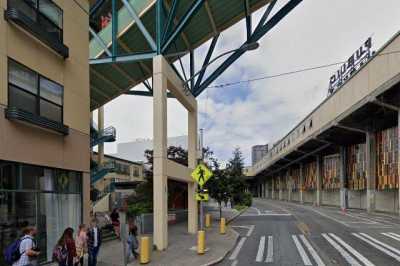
[(201, 174), (201, 196)]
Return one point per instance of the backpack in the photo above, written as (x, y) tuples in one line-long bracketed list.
[(11, 253), (60, 253)]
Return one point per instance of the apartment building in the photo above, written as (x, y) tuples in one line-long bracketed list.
[(44, 119)]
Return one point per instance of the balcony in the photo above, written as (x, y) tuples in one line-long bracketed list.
[(28, 15), (13, 113)]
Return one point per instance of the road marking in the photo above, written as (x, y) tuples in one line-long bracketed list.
[(302, 252), (266, 214), (342, 251), (261, 247), (395, 236), (257, 210), (250, 230), (312, 251), (352, 250), (395, 250), (391, 236), (329, 217), (236, 251), (270, 250), (234, 263), (384, 250)]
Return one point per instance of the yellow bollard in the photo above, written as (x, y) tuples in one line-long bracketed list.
[(201, 242), (222, 226), (208, 220), (144, 250)]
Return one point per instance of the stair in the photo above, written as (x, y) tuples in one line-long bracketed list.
[(108, 234)]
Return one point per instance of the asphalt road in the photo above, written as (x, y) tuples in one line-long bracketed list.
[(283, 233)]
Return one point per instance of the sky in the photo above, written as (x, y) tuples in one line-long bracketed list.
[(315, 33)]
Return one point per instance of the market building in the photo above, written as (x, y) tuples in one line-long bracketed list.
[(44, 119), (345, 153)]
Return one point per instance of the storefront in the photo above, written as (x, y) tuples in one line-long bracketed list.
[(48, 198)]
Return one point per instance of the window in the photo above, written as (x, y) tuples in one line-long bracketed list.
[(34, 93)]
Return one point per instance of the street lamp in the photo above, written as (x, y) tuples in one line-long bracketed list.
[(245, 47)]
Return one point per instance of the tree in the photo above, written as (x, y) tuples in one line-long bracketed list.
[(235, 175), (218, 185)]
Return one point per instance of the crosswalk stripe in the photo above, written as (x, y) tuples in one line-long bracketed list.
[(270, 250), (395, 250), (342, 251), (312, 251), (261, 246), (395, 235), (302, 252), (236, 251), (352, 250), (371, 242), (391, 236)]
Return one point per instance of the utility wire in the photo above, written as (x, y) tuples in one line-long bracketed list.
[(289, 73)]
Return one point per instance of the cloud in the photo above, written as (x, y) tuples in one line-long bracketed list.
[(315, 33)]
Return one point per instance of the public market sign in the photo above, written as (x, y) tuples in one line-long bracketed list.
[(355, 62), (201, 174)]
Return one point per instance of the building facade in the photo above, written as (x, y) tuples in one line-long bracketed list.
[(258, 152), (44, 119)]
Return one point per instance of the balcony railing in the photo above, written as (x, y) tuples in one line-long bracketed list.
[(25, 14)]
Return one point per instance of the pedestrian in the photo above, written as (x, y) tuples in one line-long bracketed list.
[(65, 250), (133, 243), (81, 244), (28, 250), (115, 221), (93, 242)]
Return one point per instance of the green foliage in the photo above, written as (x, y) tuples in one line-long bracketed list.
[(240, 207), (135, 209), (247, 199), (235, 175)]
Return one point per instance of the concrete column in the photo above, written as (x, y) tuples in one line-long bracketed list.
[(160, 184), (398, 152), (100, 124), (273, 188), (289, 185), (319, 181), (301, 183), (266, 190), (280, 188), (343, 178), (192, 154), (371, 170)]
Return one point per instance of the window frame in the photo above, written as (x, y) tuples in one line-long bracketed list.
[(38, 97)]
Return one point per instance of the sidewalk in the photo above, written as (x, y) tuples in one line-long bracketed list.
[(181, 249)]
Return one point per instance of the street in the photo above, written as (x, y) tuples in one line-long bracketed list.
[(282, 233)]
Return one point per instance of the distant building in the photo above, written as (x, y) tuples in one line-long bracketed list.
[(257, 152), (134, 150)]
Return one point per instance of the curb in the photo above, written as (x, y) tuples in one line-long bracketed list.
[(218, 260), (237, 215)]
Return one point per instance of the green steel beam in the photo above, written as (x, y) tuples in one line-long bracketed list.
[(192, 69), (206, 61), (100, 41), (114, 21), (247, 11), (159, 22), (170, 19), (140, 25), (256, 36), (123, 58), (266, 14), (182, 24), (146, 93)]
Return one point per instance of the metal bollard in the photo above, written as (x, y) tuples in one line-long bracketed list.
[(144, 250), (222, 226), (201, 242), (208, 220)]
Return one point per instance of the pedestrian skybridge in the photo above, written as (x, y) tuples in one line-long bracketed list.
[(121, 53)]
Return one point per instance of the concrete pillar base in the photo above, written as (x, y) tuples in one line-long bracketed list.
[(343, 199), (371, 200)]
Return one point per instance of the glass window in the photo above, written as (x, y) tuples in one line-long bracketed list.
[(30, 176), (51, 91), (8, 175), (22, 100), (50, 111), (51, 11), (22, 77)]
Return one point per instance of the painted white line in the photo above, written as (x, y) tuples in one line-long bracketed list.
[(395, 250), (261, 247), (342, 251), (312, 251), (384, 250), (266, 214), (352, 250), (236, 251), (251, 229), (234, 263), (302, 252), (330, 217), (257, 210), (391, 236), (368, 221), (270, 250)]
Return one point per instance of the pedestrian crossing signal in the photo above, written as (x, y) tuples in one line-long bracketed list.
[(201, 174)]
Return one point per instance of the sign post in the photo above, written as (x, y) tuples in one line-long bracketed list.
[(201, 175)]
